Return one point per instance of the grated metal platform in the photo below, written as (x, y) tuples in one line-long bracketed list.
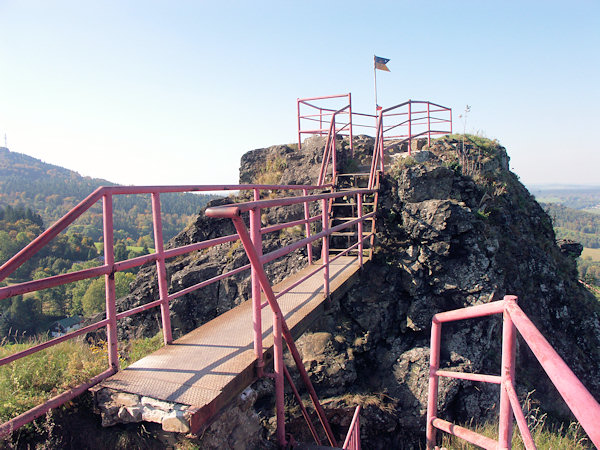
[(206, 368)]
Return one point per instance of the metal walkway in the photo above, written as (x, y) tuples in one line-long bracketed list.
[(206, 368)]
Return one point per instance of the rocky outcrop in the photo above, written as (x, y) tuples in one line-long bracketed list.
[(570, 247), (454, 228), (448, 240)]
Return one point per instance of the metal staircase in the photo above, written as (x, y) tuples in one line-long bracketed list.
[(347, 208)]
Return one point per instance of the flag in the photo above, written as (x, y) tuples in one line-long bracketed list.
[(380, 63)]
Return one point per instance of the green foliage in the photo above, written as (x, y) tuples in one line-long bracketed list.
[(139, 348), (400, 164), (34, 379), (487, 146), (31, 380), (350, 165), (454, 166), (574, 224), (408, 161), (481, 214), (589, 270), (94, 298), (21, 316), (544, 435)]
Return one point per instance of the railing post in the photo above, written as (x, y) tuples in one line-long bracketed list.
[(428, 126), (325, 246), (109, 283), (299, 130), (360, 229), (434, 364), (333, 152), (256, 237), (381, 146), (409, 127), (507, 374), (161, 270), (320, 122), (279, 377), (450, 121), (350, 120), (307, 227)]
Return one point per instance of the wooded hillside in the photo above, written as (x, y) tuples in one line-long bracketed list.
[(51, 191)]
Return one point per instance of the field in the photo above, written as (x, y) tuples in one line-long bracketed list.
[(100, 246), (593, 253)]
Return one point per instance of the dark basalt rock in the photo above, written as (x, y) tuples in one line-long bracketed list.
[(569, 247), (453, 231)]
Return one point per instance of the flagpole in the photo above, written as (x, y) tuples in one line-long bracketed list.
[(375, 76)]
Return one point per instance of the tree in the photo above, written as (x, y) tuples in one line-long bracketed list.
[(94, 299), (120, 251)]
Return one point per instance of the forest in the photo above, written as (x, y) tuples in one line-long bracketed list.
[(28, 315), (569, 223), (583, 227), (33, 195), (51, 191)]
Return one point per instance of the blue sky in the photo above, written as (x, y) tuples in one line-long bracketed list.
[(156, 92)]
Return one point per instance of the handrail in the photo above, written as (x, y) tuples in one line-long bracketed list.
[(34, 246), (352, 441), (324, 115), (251, 239), (415, 118), (330, 146), (581, 403), (110, 267)]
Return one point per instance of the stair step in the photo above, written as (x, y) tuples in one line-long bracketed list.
[(351, 218), (362, 174), (349, 233), (303, 446)]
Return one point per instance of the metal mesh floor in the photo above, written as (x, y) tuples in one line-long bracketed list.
[(216, 361)]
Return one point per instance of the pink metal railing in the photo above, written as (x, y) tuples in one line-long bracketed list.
[(324, 116), (416, 120), (281, 332), (403, 123), (585, 408), (329, 153), (415, 123), (110, 267), (352, 441)]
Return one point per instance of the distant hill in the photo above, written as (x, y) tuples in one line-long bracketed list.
[(577, 197), (569, 223), (51, 191)]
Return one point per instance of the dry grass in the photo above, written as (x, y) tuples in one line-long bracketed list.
[(593, 253), (544, 435)]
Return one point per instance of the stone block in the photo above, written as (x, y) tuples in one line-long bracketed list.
[(175, 422), (150, 414), (157, 404), (125, 399)]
